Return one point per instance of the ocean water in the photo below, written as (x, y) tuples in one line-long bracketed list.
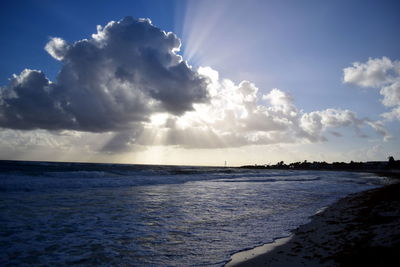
[(136, 215)]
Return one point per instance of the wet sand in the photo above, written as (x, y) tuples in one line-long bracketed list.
[(362, 229)]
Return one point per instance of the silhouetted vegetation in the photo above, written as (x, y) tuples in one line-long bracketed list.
[(370, 166)]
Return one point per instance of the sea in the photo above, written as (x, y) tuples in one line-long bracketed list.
[(62, 214)]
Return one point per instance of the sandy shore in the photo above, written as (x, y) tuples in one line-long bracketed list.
[(362, 229)]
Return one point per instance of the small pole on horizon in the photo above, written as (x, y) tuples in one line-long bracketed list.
[(225, 163)]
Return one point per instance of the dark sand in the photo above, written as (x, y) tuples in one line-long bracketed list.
[(362, 229)]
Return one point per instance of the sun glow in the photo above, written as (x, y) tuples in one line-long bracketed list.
[(159, 119)]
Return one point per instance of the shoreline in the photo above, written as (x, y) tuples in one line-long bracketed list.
[(361, 228), (248, 254)]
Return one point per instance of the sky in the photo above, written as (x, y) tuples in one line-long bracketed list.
[(199, 82)]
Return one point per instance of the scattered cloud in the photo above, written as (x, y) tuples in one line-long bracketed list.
[(391, 94), (374, 73), (57, 48), (393, 114), (380, 73), (380, 129)]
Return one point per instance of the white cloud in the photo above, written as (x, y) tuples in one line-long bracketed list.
[(374, 73), (378, 73), (280, 101), (393, 114), (391, 94), (57, 48), (380, 128)]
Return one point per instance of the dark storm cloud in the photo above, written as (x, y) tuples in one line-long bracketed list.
[(127, 71)]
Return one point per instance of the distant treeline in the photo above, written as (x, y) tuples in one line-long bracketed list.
[(391, 164)]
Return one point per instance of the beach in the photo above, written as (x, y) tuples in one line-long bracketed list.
[(362, 229)]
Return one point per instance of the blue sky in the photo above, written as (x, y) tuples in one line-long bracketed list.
[(299, 47)]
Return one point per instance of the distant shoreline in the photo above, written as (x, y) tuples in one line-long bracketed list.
[(390, 168), (361, 229)]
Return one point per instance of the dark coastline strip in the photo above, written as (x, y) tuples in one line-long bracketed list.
[(362, 229)]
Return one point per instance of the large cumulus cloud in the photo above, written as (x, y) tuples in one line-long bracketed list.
[(120, 76), (380, 73)]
